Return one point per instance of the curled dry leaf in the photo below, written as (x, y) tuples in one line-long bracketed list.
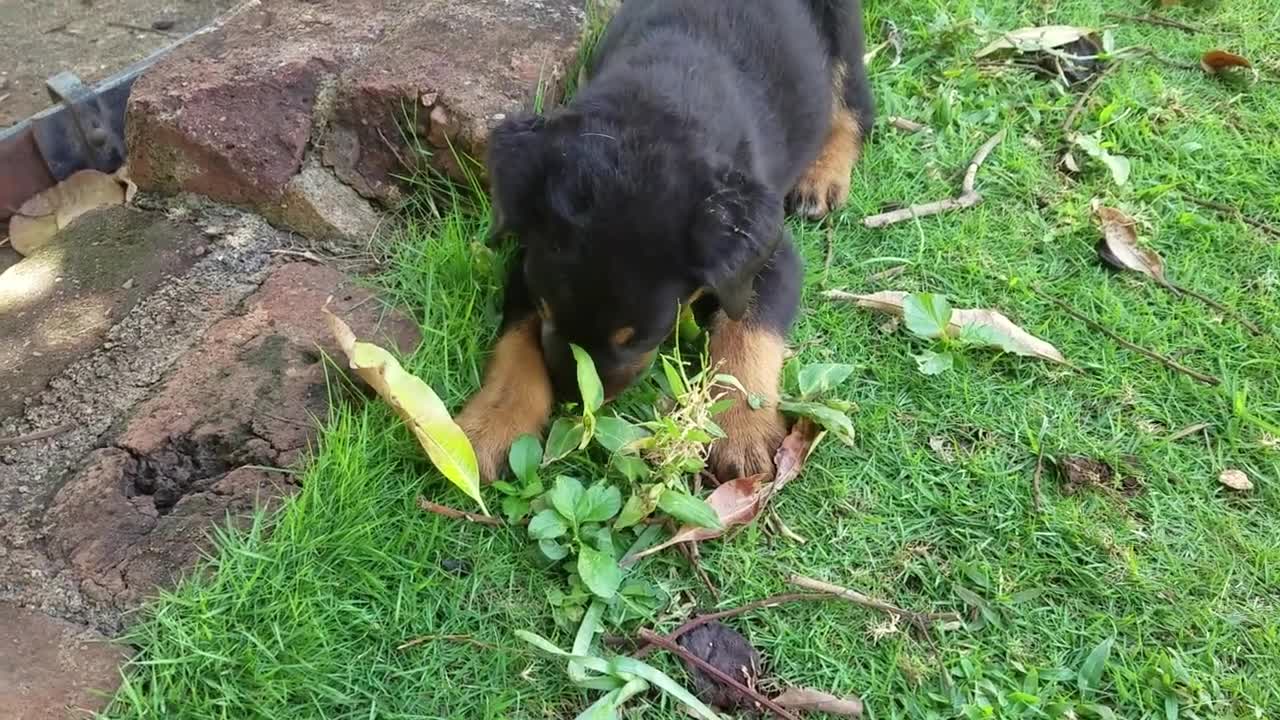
[(988, 327), (739, 502), (1215, 61), (42, 216), (728, 651), (1036, 39), (1236, 480), (1119, 246), (818, 701), (417, 405)]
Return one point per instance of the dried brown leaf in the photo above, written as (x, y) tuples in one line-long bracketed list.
[(819, 701), (1036, 39), (728, 651), (42, 216), (1236, 480), (739, 502), (1215, 61), (1119, 246)]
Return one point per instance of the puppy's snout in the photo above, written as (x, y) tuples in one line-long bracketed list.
[(616, 374)]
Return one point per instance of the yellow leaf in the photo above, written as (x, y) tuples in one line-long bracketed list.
[(42, 216), (417, 404)]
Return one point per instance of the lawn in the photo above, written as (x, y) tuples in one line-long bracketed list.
[(305, 614)]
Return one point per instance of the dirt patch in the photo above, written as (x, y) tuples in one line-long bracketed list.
[(93, 40)]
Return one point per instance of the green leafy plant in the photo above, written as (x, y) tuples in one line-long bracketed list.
[(813, 382)]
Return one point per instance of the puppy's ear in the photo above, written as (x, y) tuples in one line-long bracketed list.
[(517, 159), (735, 231)]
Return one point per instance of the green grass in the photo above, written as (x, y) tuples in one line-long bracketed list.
[(305, 621)]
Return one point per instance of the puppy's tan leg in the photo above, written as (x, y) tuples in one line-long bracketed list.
[(515, 399), (754, 355), (825, 185)]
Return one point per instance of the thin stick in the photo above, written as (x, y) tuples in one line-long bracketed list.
[(715, 672), (1162, 359), (694, 556), (1228, 210), (1076, 109), (1153, 19), (919, 619), (139, 28), (38, 435), (1189, 431), (456, 514), (908, 125), (1239, 317), (1037, 500), (701, 620), (451, 638), (967, 198)]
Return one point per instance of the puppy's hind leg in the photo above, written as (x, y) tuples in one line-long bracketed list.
[(825, 185)]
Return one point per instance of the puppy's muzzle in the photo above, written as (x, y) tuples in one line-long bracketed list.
[(616, 373)]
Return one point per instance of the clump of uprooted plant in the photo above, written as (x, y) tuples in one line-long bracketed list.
[(584, 529)]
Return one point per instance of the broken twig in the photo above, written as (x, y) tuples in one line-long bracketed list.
[(1153, 19), (1189, 431), (1076, 109), (457, 514), (34, 436), (908, 125), (919, 619), (450, 638), (652, 637), (1233, 212), (967, 198), (1162, 359), (1037, 498)]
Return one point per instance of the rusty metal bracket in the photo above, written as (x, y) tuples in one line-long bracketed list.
[(84, 130), (89, 134)]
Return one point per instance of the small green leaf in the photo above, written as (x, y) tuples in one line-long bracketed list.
[(1170, 707), (674, 381), (926, 314), (1117, 164), (755, 401), (505, 487), (639, 506), (547, 525), (514, 508), (663, 682), (599, 503), (616, 435), (588, 380), (525, 456), (1090, 676), (688, 509), (829, 418), (565, 497), (599, 572), (822, 377), (553, 550), (934, 363), (1102, 712), (633, 469), (566, 436)]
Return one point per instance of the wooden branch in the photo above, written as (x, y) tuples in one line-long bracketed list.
[(1152, 19), (456, 514), (919, 619), (1233, 212), (652, 637), (908, 125), (34, 436), (967, 198), (1099, 327)]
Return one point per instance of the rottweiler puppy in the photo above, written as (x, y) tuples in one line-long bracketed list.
[(663, 183)]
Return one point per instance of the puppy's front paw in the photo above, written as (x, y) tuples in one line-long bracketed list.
[(490, 437), (752, 438)]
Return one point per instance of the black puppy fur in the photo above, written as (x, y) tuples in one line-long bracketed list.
[(666, 178)]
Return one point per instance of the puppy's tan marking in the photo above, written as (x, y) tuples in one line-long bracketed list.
[(515, 398), (754, 356), (622, 335), (825, 185)]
